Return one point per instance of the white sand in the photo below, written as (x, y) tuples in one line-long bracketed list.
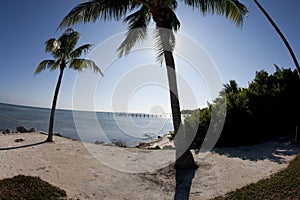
[(81, 172)]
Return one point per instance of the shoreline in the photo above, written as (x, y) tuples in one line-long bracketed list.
[(161, 141), (89, 126), (72, 166)]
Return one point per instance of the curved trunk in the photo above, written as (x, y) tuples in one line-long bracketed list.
[(51, 123), (281, 35)]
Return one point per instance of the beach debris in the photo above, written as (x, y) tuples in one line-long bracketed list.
[(8, 131), (32, 130), (22, 129), (19, 140), (99, 142), (142, 145), (168, 147), (119, 143), (154, 148)]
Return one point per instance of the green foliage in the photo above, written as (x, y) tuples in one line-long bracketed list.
[(65, 54), (187, 112), (198, 121), (171, 135), (26, 187), (283, 185), (268, 108)]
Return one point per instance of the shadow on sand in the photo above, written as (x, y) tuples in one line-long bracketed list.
[(185, 168), (22, 146), (272, 150), (184, 178)]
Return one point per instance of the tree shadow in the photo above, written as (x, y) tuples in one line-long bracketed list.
[(172, 177), (184, 178), (185, 169), (22, 146), (273, 150)]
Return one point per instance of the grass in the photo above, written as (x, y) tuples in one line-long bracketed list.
[(23, 187), (282, 185)]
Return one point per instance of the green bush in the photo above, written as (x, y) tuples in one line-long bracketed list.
[(23, 187), (269, 107)]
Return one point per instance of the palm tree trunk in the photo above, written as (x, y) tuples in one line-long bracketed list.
[(280, 34), (180, 141), (51, 123), (175, 106), (184, 158), (184, 164)]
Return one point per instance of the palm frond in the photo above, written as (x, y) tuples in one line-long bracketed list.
[(72, 41), (56, 65), (171, 4), (51, 45), (93, 10), (175, 23), (232, 9), (80, 50), (68, 41), (235, 11), (83, 64), (137, 29), (164, 41), (44, 65), (168, 7)]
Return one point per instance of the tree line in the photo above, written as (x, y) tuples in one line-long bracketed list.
[(267, 108)]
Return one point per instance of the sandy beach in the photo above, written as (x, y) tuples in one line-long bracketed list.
[(90, 171)]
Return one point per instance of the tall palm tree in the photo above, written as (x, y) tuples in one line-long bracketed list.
[(162, 12), (65, 55), (285, 41)]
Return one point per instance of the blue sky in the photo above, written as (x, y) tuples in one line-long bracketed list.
[(237, 53)]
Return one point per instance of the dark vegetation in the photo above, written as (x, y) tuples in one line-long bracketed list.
[(267, 108), (27, 187), (283, 185)]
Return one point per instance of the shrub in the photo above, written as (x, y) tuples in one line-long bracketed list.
[(27, 187)]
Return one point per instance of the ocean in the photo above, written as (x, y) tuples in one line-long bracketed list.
[(107, 127)]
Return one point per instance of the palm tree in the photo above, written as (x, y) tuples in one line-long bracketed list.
[(65, 55), (285, 41), (162, 12)]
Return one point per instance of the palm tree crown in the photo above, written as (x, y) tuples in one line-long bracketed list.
[(142, 11), (64, 54)]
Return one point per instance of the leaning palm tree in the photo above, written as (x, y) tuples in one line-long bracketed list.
[(138, 14), (162, 12), (65, 55), (285, 41)]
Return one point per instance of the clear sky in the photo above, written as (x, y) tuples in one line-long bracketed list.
[(237, 53)]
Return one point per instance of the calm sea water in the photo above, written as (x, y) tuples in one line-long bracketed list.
[(88, 126)]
